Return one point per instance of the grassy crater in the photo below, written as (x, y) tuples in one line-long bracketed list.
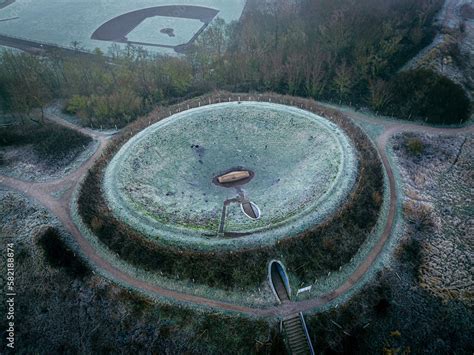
[(325, 247)]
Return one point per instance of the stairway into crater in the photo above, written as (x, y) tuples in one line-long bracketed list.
[(297, 335)]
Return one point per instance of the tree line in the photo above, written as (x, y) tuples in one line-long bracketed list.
[(333, 50), (109, 90)]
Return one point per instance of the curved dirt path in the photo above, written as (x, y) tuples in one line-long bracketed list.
[(42, 192)]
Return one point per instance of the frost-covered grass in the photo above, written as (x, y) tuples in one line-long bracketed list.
[(437, 182), (376, 121), (21, 219), (41, 152), (10, 49), (325, 247), (425, 269), (62, 22), (324, 285), (149, 31), (160, 182), (115, 314), (259, 296)]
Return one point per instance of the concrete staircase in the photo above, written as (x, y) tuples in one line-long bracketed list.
[(294, 326), (297, 335)]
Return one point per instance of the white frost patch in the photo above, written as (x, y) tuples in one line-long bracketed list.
[(65, 21), (149, 31)]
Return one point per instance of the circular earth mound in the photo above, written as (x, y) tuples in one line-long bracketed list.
[(298, 167)]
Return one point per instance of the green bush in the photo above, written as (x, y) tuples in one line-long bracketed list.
[(118, 108), (76, 104), (425, 94), (414, 146)]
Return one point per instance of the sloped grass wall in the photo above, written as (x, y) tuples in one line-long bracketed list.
[(324, 248)]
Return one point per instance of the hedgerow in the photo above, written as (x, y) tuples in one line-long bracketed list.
[(427, 95), (59, 255), (50, 141)]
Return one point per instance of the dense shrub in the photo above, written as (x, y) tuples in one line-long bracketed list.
[(56, 143), (419, 215), (325, 49), (76, 104), (55, 308), (345, 231), (394, 315), (50, 141), (425, 94), (59, 255), (414, 145), (27, 82), (118, 109)]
